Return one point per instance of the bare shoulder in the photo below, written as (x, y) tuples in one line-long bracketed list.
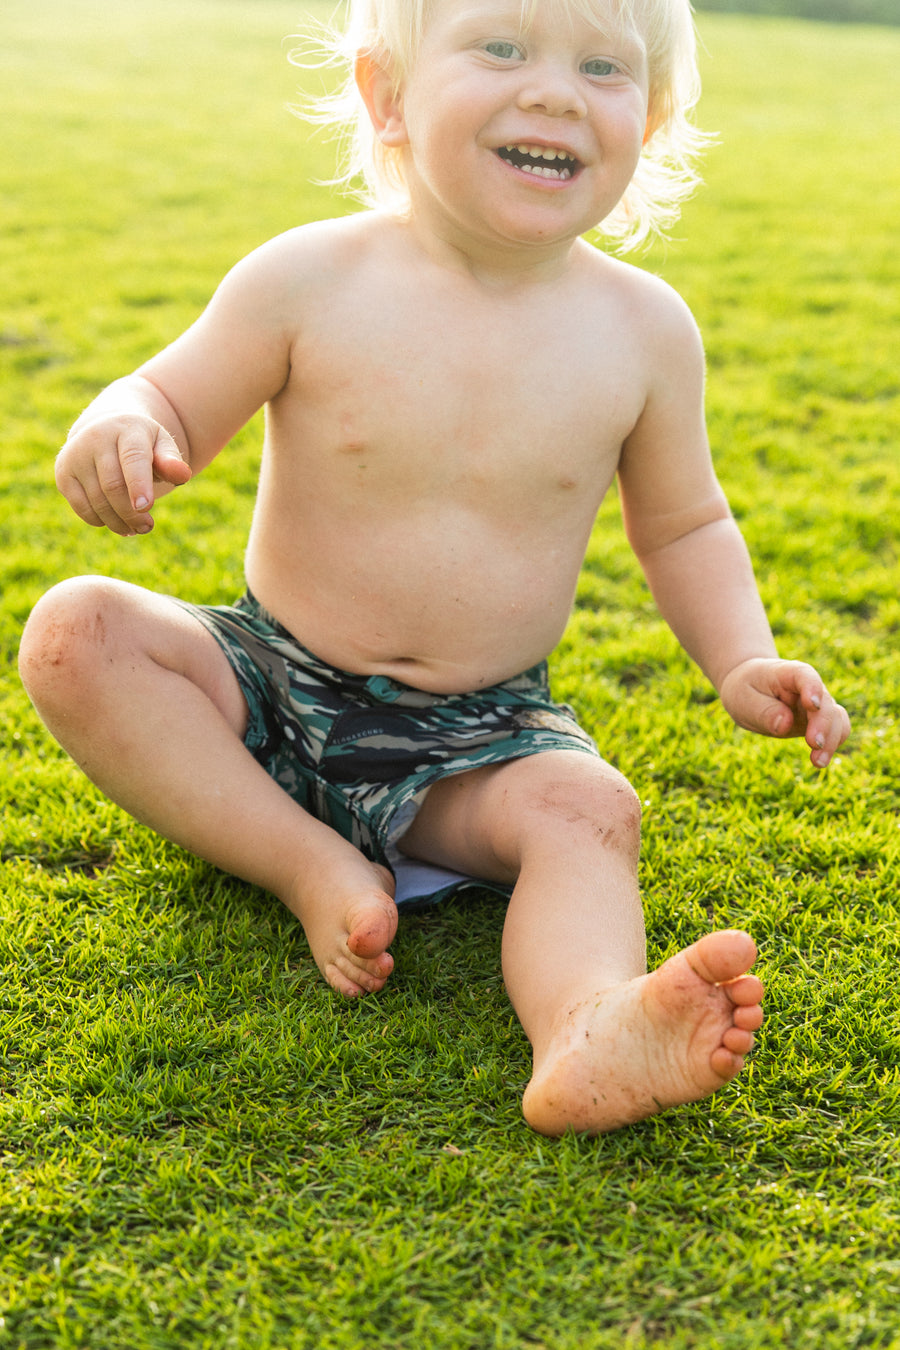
[(238, 355), (319, 243), (648, 305), (283, 271)]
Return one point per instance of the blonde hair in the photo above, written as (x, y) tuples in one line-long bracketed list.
[(391, 31)]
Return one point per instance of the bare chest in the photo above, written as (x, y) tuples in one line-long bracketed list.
[(462, 411)]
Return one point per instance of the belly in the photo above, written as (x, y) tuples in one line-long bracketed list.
[(446, 614)]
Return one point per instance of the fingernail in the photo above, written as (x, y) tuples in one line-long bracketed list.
[(820, 741), (142, 503), (816, 701), (143, 528)]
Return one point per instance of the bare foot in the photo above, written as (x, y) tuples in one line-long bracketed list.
[(349, 926), (675, 1035)]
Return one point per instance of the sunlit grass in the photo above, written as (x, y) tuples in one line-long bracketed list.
[(199, 1146)]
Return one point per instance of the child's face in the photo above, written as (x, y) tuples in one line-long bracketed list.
[(523, 137)]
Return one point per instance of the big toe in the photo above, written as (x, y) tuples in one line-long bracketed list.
[(722, 956), (372, 927)]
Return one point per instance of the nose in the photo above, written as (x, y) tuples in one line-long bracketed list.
[(551, 88)]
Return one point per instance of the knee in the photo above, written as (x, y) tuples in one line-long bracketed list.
[(61, 639), (590, 801)]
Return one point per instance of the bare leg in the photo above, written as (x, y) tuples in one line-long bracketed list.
[(143, 698), (611, 1043)]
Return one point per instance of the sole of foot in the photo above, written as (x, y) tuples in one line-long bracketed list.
[(675, 1035)]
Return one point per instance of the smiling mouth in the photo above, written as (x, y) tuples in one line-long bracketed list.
[(541, 161)]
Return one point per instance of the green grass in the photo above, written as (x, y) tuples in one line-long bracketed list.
[(199, 1145), (827, 11)]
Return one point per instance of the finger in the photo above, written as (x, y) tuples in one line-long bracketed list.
[(168, 463), (813, 694), (112, 498), (70, 485), (799, 685), (89, 500), (780, 714), (125, 525), (132, 477), (826, 732), (780, 721), (77, 498), (800, 693)]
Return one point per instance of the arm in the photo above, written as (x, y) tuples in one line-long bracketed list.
[(148, 432), (696, 562)]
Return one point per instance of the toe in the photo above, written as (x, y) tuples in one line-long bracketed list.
[(737, 1041), (352, 980), (341, 983), (726, 1064), (723, 956), (748, 1019), (369, 975), (371, 928), (745, 991)]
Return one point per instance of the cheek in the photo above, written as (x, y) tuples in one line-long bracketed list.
[(631, 135), (626, 115), (443, 156)]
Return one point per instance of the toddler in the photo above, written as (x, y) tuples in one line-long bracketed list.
[(452, 380)]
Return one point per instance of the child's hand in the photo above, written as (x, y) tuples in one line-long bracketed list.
[(107, 470), (786, 698)]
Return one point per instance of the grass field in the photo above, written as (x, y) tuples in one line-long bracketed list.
[(826, 11), (199, 1145)]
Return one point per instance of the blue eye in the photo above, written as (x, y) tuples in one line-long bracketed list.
[(598, 68), (504, 51)]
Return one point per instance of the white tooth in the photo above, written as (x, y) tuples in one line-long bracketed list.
[(551, 154), (545, 171), (523, 149)]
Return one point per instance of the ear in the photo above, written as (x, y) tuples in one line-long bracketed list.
[(382, 100)]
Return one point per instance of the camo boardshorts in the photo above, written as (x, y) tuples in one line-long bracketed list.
[(359, 753)]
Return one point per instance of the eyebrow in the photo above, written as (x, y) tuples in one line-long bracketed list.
[(476, 16), (511, 17)]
